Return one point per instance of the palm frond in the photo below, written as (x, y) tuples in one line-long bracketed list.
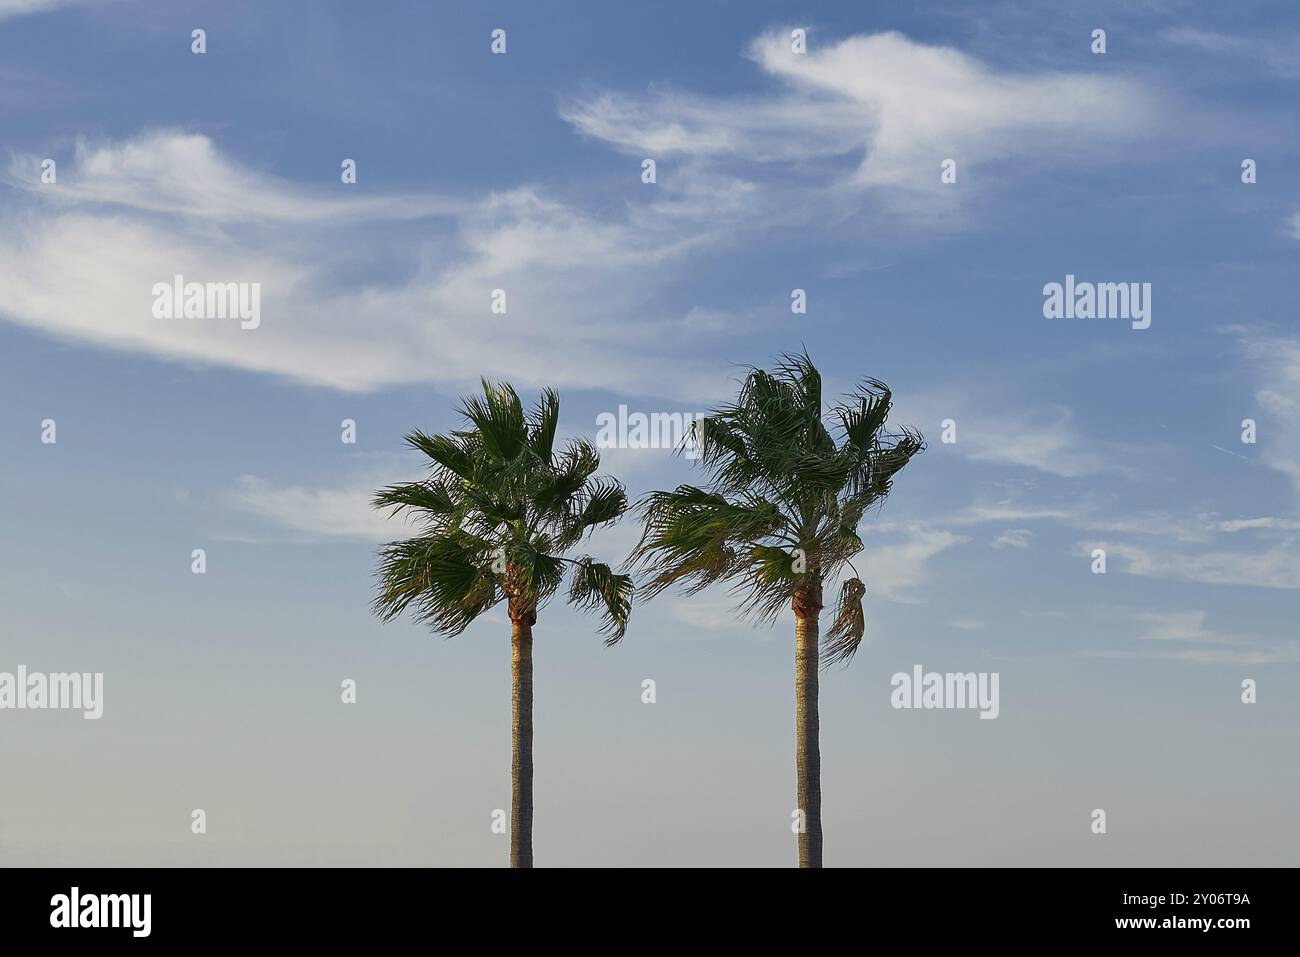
[(595, 586), (432, 497), (498, 418), (540, 573), (542, 423), (499, 489), (778, 480), (446, 452), (446, 576), (841, 641), (602, 501)]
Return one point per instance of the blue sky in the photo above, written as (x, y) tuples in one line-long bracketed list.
[(775, 171)]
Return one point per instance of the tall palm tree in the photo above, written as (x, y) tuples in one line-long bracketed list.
[(500, 509), (777, 519)]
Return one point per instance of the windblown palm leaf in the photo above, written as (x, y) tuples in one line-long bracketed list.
[(499, 510), (780, 511)]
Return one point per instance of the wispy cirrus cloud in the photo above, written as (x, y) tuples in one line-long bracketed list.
[(1184, 635), (897, 566), (379, 291), (184, 174), (895, 107), (367, 290), (1275, 361), (1013, 538), (319, 513), (19, 8), (998, 432), (1277, 566), (1278, 53)]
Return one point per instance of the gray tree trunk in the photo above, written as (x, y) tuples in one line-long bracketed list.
[(808, 760), (521, 741)]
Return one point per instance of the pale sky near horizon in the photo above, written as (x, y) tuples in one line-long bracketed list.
[(775, 171)]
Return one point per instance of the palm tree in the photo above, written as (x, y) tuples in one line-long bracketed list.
[(778, 519), (500, 509)]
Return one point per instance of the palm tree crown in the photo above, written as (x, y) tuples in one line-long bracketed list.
[(779, 514), (500, 510)]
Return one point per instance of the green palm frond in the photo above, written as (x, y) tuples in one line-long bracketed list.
[(500, 508), (446, 576), (599, 502), (539, 572), (570, 474), (595, 586), (498, 418), (779, 486), (542, 423), (446, 451), (432, 498)]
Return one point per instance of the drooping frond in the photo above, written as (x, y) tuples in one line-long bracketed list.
[(841, 641), (596, 587), (769, 582)]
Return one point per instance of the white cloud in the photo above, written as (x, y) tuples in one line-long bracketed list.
[(1237, 525), (319, 513), (367, 297), (1276, 362), (1004, 511), (896, 569), (1205, 645), (898, 107), (1013, 538), (1178, 626), (710, 611), (1050, 446), (1277, 52), (1282, 653), (1276, 567), (18, 8), (184, 174), (987, 430), (363, 290), (1098, 517)]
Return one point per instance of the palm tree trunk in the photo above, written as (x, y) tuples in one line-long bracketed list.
[(808, 759), (521, 740)]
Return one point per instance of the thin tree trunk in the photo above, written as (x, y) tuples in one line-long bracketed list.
[(521, 740), (808, 760)]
